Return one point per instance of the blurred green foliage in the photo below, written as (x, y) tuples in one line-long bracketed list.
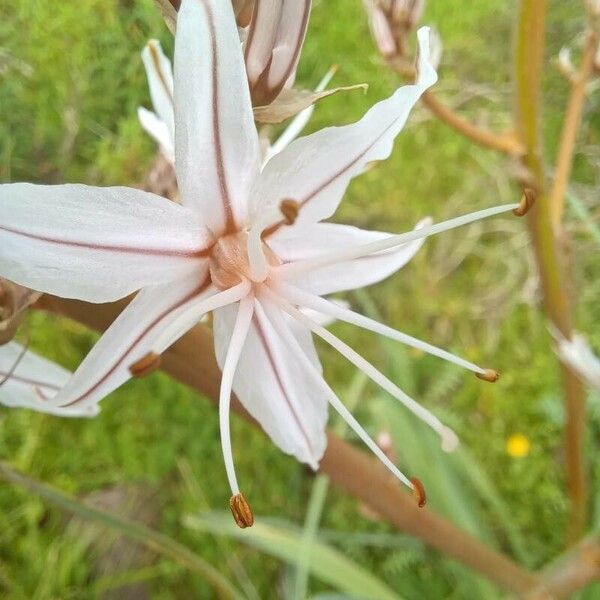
[(70, 81)]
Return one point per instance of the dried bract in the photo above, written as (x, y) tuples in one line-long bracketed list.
[(14, 300)]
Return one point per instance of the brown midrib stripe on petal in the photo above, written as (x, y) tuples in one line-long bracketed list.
[(27, 381), (138, 339), (271, 230), (230, 226), (280, 383), (126, 249), (161, 76)]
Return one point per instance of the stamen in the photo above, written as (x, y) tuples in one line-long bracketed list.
[(234, 350), (393, 241), (321, 305), (290, 209), (146, 365), (419, 492), (241, 511), (283, 329), (488, 375), (527, 201), (449, 439)]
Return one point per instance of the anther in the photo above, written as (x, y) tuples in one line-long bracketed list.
[(146, 365), (419, 492), (290, 209), (488, 375), (241, 511), (527, 201)]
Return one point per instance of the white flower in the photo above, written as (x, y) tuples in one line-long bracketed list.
[(160, 124), (228, 248), (30, 381), (577, 354)]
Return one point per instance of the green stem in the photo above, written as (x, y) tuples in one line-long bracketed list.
[(153, 540), (528, 74)]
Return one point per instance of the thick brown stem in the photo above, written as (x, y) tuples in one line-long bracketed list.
[(191, 361), (570, 128), (528, 73)]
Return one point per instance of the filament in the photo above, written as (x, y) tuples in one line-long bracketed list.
[(234, 350), (449, 440), (301, 266)]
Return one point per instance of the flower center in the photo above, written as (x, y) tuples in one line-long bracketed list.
[(229, 263)]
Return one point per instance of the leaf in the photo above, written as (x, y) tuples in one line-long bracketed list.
[(291, 102), (153, 540), (326, 563)]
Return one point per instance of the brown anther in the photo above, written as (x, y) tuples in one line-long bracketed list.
[(488, 375), (527, 201), (419, 492), (146, 365), (290, 209), (241, 511)]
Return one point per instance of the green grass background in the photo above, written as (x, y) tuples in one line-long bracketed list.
[(71, 80)]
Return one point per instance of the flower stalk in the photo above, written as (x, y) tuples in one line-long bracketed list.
[(530, 34), (572, 121)]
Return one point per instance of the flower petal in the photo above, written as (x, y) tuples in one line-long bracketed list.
[(28, 381), (315, 170), (94, 244), (157, 130), (153, 321), (274, 386), (217, 154), (261, 37), (288, 44), (307, 241)]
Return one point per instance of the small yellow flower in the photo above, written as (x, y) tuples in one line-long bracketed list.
[(518, 445)]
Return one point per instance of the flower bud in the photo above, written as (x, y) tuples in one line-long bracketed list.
[(391, 21), (272, 46)]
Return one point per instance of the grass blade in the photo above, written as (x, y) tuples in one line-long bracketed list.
[(153, 540)]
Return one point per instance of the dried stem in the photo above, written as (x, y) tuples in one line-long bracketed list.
[(570, 128), (528, 72)]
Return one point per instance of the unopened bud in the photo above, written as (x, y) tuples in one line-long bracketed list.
[(407, 13), (489, 375), (290, 209), (382, 33), (241, 511), (146, 365), (527, 201), (419, 492)]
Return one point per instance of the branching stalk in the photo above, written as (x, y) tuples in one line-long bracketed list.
[(528, 73), (571, 124)]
